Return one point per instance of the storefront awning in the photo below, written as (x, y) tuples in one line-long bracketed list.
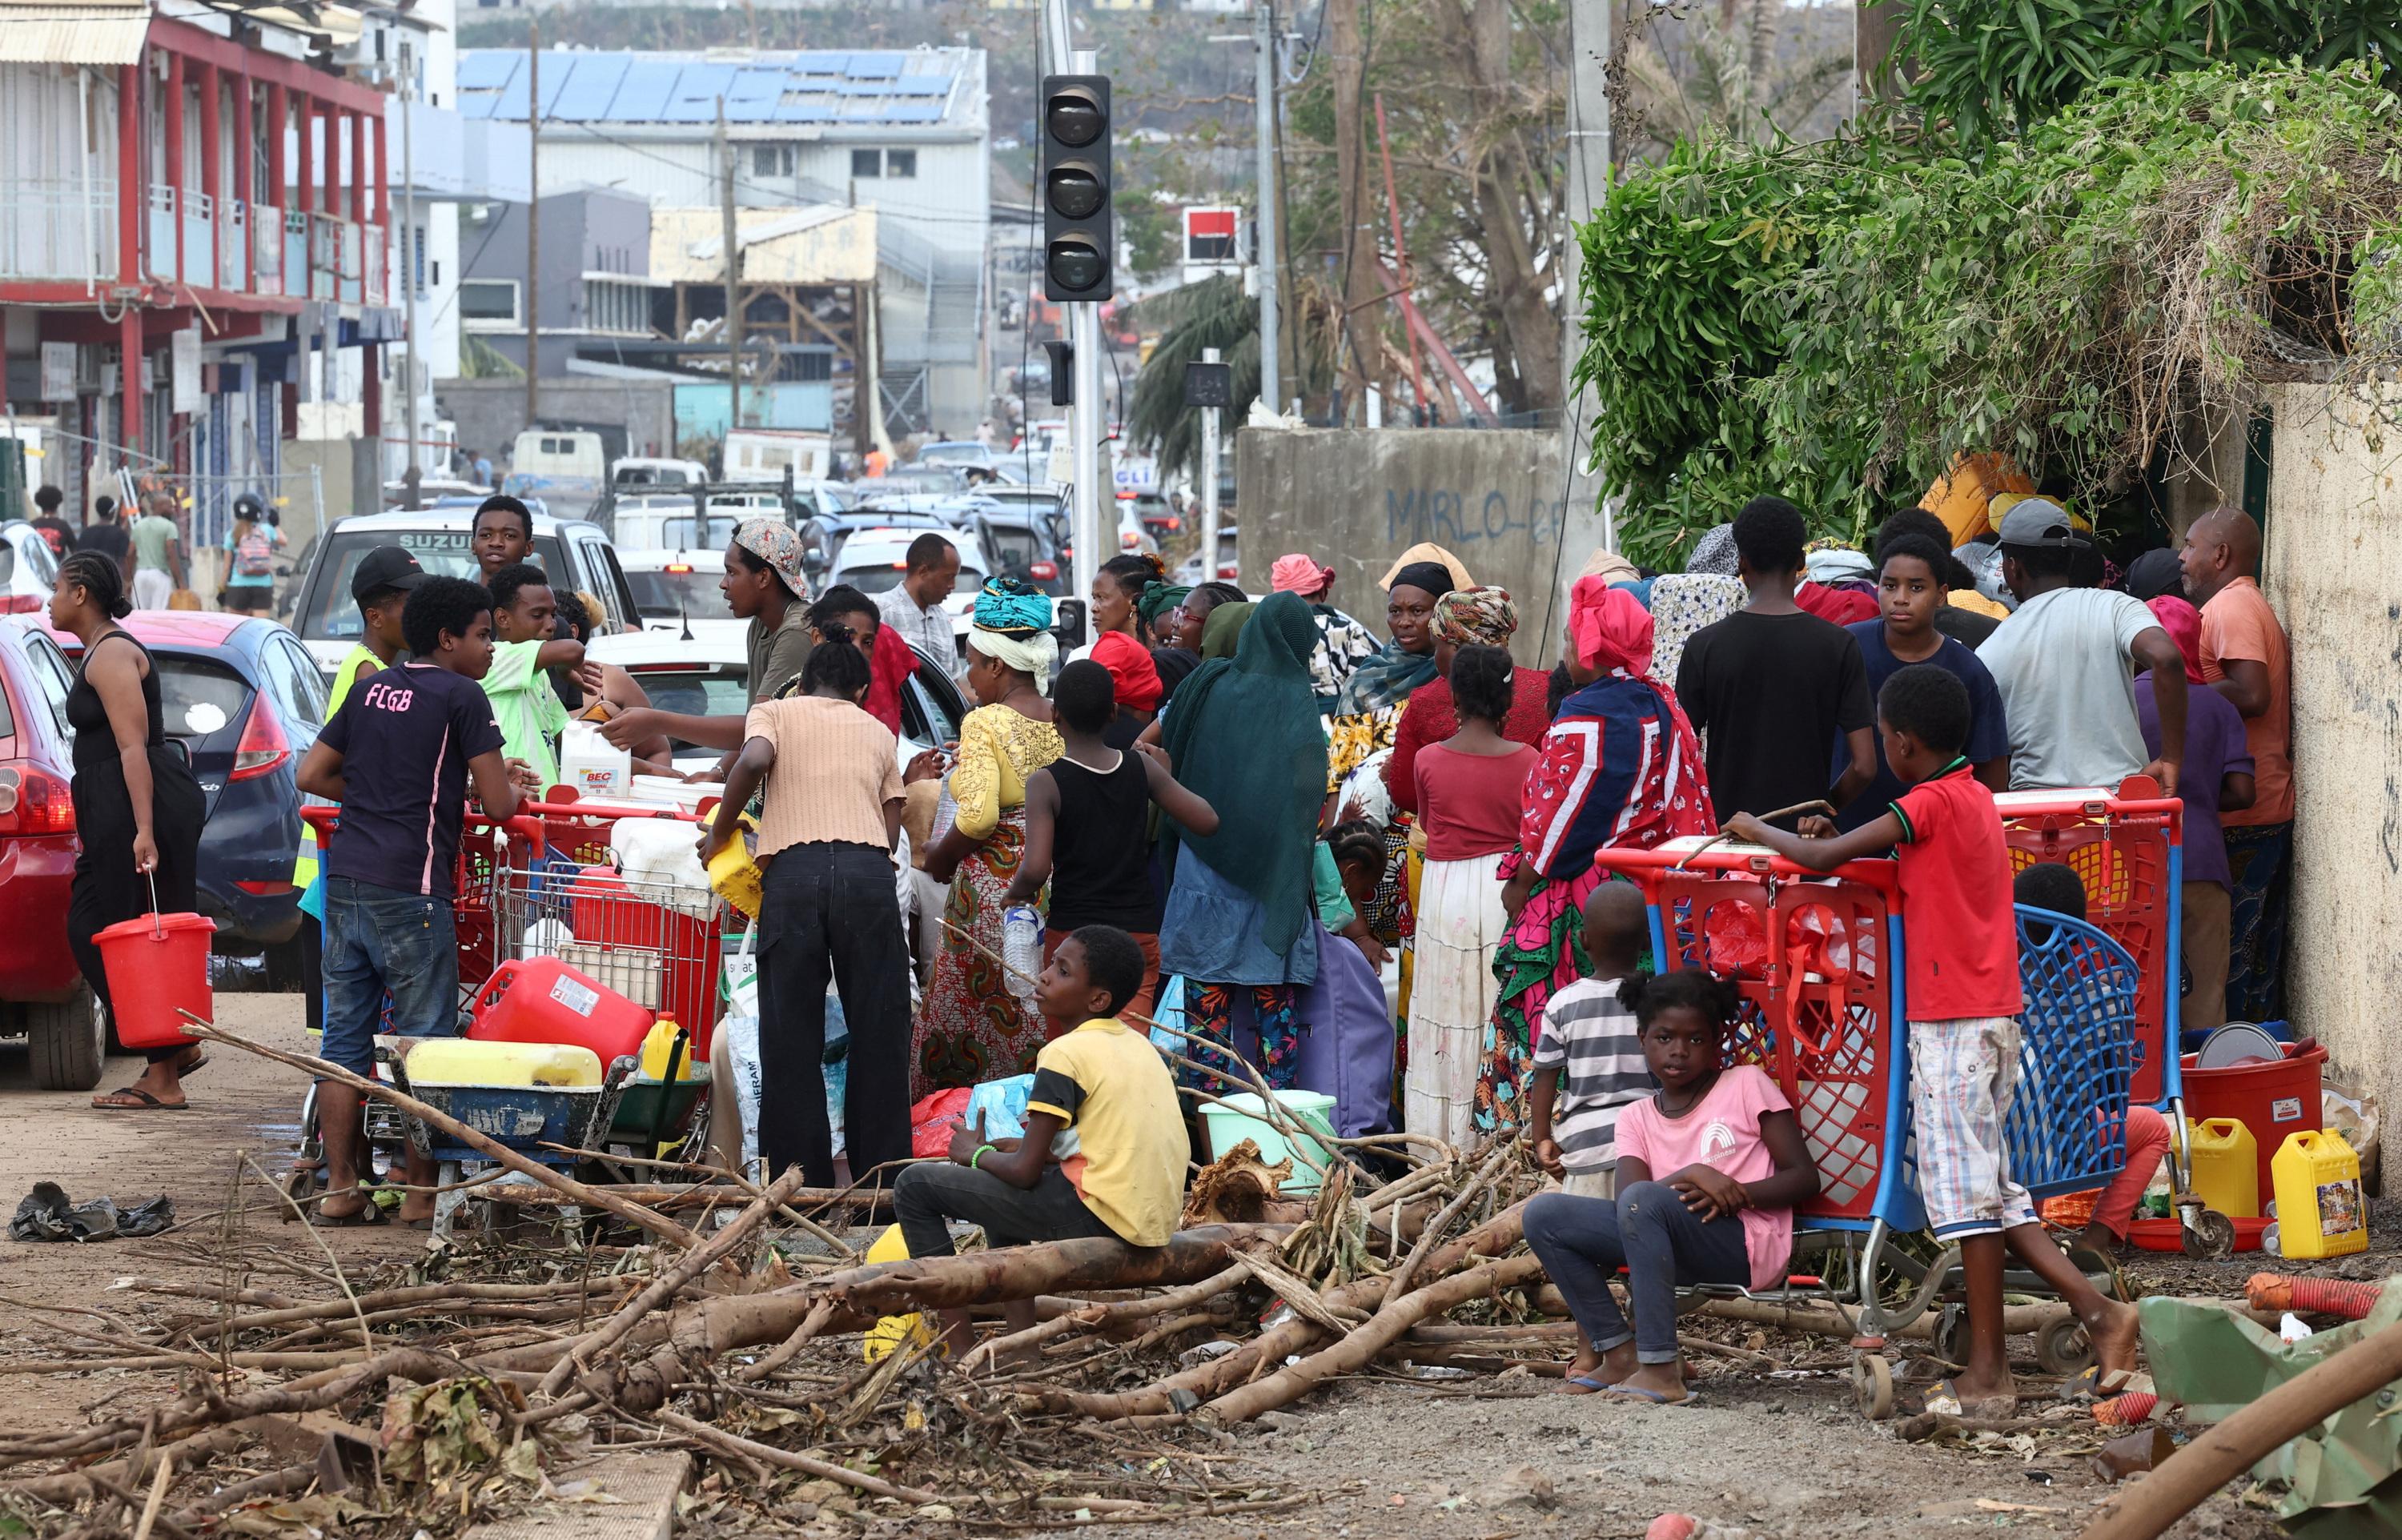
[(72, 35)]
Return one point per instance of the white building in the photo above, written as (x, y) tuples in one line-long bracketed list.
[(905, 134)]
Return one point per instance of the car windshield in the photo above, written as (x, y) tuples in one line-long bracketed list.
[(328, 612), (678, 532), (199, 699), (875, 577), (692, 594), (1013, 550)]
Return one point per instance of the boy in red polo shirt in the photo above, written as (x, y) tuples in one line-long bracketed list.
[(1961, 986)]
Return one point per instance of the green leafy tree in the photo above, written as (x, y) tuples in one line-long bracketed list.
[(1993, 68)]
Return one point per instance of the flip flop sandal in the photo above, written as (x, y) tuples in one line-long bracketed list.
[(1637, 1393), (142, 1102), (1589, 1382), (369, 1216), (2090, 1383)]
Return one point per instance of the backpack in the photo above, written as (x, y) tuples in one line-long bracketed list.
[(254, 556)]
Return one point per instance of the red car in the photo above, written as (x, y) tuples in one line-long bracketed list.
[(41, 994)]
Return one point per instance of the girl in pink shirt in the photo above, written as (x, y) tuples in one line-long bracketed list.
[(1734, 1165)]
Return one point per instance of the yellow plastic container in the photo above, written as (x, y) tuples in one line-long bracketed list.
[(890, 1331), (658, 1046), (2226, 1166), (457, 1061), (2320, 1210), (734, 873)]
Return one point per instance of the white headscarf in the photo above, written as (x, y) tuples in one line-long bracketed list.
[(1032, 654)]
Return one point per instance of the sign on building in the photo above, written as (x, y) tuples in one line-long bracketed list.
[(185, 382)]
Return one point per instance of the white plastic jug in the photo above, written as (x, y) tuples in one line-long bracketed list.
[(588, 763)]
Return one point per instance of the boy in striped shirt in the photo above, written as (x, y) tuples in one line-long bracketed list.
[(1588, 1062)]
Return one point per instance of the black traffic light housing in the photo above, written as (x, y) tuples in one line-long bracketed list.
[(1078, 249)]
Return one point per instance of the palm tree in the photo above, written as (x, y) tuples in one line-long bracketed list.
[(1211, 314)]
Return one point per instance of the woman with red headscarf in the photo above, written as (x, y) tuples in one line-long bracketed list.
[(1620, 768), (1136, 679)]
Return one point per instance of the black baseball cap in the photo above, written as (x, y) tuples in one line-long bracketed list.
[(385, 567)]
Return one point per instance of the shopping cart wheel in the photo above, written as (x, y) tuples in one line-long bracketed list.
[(2208, 1235), (2063, 1347), (1872, 1385)]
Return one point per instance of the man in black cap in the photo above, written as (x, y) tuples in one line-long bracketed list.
[(2065, 662)]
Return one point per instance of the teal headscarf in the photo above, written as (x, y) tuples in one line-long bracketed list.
[(1244, 735)]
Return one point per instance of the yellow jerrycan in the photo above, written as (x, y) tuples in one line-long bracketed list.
[(2320, 1210)]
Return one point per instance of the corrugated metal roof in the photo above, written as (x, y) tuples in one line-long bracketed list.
[(73, 34)]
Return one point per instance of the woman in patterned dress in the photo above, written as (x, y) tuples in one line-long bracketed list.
[(1620, 768), (971, 1028)]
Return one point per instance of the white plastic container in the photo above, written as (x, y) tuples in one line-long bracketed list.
[(588, 764), (1234, 1119)]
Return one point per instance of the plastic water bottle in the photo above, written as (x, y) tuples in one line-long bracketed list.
[(1021, 949)]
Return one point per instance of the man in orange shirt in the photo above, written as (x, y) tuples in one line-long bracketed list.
[(2245, 657)]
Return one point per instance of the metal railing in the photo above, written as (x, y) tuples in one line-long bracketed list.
[(61, 229)]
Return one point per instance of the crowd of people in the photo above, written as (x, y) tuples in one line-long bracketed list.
[(1226, 815)]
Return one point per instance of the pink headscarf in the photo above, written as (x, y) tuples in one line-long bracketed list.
[(2183, 623), (1609, 628), (1299, 574)]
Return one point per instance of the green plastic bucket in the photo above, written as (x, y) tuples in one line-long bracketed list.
[(1229, 1122)]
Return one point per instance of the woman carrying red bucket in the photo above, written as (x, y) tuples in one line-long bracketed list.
[(139, 812)]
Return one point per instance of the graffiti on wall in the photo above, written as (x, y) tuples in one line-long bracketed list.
[(1456, 519)]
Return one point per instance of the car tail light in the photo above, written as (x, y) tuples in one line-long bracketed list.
[(19, 604), (679, 567), (1172, 522), (263, 745), (1125, 497), (1043, 571), (34, 801), (1226, 571), (1129, 539)]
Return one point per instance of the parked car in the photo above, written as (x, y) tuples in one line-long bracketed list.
[(1189, 573), (246, 700), (874, 560), (576, 555), (823, 538), (964, 453), (28, 569), (1159, 520), (710, 676), (642, 471), (678, 593), (904, 480), (652, 525), (431, 490), (1029, 543), (43, 997)]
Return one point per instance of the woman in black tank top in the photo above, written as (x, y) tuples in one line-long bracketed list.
[(137, 808)]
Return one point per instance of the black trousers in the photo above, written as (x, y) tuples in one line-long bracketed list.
[(830, 913)]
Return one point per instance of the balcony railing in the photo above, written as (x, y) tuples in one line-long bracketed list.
[(297, 281), (233, 244), (58, 230), (267, 248), (200, 239), (159, 236), (350, 261)]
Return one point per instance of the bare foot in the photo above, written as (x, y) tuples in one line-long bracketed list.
[(1664, 1383), (1978, 1400), (2116, 1331)]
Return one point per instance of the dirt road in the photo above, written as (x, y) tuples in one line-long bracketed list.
[(1782, 1451)]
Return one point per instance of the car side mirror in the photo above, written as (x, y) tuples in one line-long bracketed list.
[(813, 563)]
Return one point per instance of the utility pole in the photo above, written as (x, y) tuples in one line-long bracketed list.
[(413, 254), (1270, 253), (733, 281), (533, 221), (1588, 185), (1362, 286), (1209, 482)]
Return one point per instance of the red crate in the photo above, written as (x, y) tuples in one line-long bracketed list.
[(1810, 954), (2120, 846)]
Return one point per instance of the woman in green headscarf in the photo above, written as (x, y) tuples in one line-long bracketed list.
[(1243, 732)]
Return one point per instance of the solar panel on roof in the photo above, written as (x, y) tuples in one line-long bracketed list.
[(754, 95), (804, 112), (488, 69), (642, 94), (590, 87), (695, 100), (867, 87), (886, 64), (922, 84), (914, 112)]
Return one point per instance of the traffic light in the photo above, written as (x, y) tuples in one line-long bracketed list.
[(1077, 246)]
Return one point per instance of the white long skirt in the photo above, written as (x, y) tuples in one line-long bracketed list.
[(1461, 924)]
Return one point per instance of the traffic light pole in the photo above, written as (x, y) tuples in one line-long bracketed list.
[(1209, 562), (1084, 425)]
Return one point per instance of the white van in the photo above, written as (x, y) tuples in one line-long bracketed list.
[(765, 454), (559, 455), (641, 471)]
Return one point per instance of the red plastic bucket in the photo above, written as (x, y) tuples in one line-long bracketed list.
[(2272, 1098), (157, 968)]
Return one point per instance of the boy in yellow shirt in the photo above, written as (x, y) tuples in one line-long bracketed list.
[(1104, 1151)]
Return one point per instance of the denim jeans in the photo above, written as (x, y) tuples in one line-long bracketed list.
[(1647, 1230), (378, 940), (932, 1192)]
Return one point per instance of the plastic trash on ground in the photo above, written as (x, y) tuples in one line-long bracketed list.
[(47, 1214)]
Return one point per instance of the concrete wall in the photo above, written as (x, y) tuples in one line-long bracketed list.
[(1357, 498), (2334, 573), (333, 458), (491, 413)]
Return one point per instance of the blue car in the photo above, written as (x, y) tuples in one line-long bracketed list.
[(245, 700)]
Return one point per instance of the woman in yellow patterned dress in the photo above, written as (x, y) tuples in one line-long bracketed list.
[(971, 1028)]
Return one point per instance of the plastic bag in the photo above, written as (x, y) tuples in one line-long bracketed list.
[(1735, 941), (1168, 1013), (741, 1028), (1002, 1103), (932, 1120), (663, 851)]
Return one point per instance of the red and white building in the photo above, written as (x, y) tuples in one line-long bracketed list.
[(194, 212)]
